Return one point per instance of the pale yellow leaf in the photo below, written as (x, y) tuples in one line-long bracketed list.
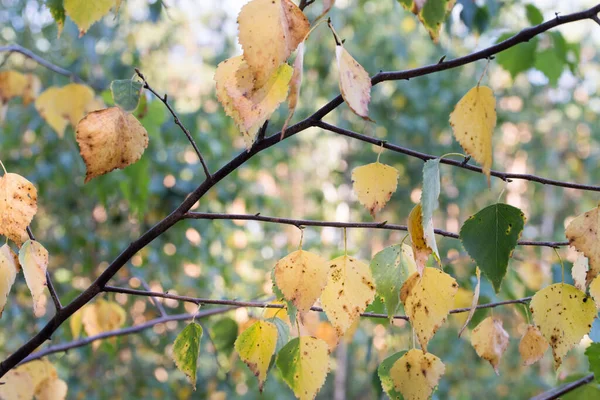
[(564, 314), (33, 258), (473, 302), (532, 346), (595, 291), (490, 340), (44, 379), (301, 277), (85, 13), (579, 272), (374, 185), (295, 83), (427, 300), (269, 31), (102, 316), (420, 248), (249, 105), (18, 205), (9, 266), (256, 346), (16, 385), (416, 374), (64, 105), (52, 389), (110, 139), (473, 121), (584, 234), (355, 83), (349, 291)]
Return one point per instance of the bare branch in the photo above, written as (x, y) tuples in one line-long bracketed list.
[(15, 48), (564, 389), (177, 122)]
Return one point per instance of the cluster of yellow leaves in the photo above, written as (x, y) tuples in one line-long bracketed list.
[(101, 316), (36, 378)]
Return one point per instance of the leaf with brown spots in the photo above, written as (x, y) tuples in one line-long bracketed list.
[(349, 291), (490, 340), (374, 185), (420, 247), (256, 346), (355, 83), (301, 277), (532, 346), (584, 234), (427, 301), (564, 314), (416, 374), (18, 205)]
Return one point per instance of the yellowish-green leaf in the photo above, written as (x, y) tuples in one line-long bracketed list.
[(421, 249), (64, 105), (270, 30), (595, 291), (374, 185), (349, 291), (416, 374), (304, 364), (564, 314), (295, 83), (427, 300), (39, 371), (33, 258), (186, 349), (9, 266), (256, 346), (490, 340), (355, 83), (110, 139), (301, 277), (532, 346), (584, 234), (473, 121), (85, 13), (18, 205)]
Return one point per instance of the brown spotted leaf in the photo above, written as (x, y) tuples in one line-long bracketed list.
[(584, 234), (490, 340), (533, 345), (18, 205)]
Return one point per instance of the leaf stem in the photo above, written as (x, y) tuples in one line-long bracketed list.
[(3, 168)]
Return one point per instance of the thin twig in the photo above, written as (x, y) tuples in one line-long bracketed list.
[(157, 304), (556, 392), (15, 48), (187, 133), (51, 289)]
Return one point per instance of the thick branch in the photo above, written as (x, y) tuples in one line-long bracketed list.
[(369, 225), (564, 389)]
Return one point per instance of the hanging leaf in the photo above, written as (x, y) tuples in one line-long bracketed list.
[(85, 14), (490, 340), (579, 272), (57, 10), (355, 82), (126, 93), (374, 185), (532, 346), (384, 373), (18, 205), (563, 314), (186, 350), (417, 238), (429, 202), (291, 311), (518, 58), (102, 316), (584, 234), (416, 374), (490, 236), (15, 84), (304, 364), (473, 302), (33, 258), (349, 291), (269, 31), (301, 277), (295, 83), (52, 389), (473, 121), (595, 291), (223, 334), (9, 266), (427, 300), (431, 13), (256, 346), (390, 268), (110, 139)]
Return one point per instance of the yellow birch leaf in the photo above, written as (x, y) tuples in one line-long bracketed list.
[(85, 13), (102, 316), (564, 314), (270, 30), (64, 105), (304, 363), (249, 105), (9, 266), (374, 185), (52, 389), (473, 302), (421, 249), (33, 258), (490, 340), (427, 300), (532, 346), (416, 374), (12, 84), (349, 291), (584, 234), (295, 83), (579, 272), (301, 277), (76, 323), (595, 291), (355, 83), (473, 121), (16, 385), (110, 139), (18, 205), (256, 346)]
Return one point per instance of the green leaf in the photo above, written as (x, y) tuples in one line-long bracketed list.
[(223, 334), (384, 375), (390, 268), (126, 93), (549, 62), (593, 356), (283, 332), (490, 236), (186, 349), (57, 10), (534, 15), (518, 58), (433, 13)]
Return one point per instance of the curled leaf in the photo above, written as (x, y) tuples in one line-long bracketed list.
[(490, 340), (33, 258), (474, 301)]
